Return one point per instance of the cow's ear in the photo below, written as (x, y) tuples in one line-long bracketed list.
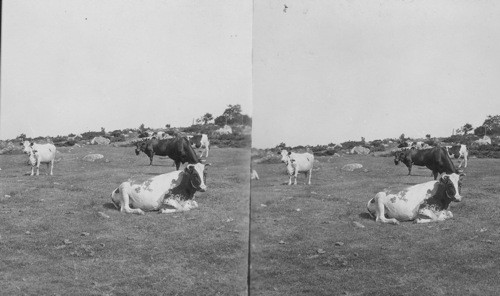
[(290, 153), (31, 144)]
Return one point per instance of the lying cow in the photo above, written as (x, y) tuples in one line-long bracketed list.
[(436, 159), (178, 149), (458, 151), (40, 153), (175, 189), (200, 141), (297, 163), (426, 202)]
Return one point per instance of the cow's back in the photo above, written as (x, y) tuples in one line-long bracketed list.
[(45, 152), (303, 161)]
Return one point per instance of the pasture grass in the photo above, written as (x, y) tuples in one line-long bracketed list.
[(61, 235), (306, 240)]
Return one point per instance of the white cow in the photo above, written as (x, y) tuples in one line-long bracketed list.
[(297, 163), (175, 189), (459, 151), (40, 153), (426, 202), (200, 141)]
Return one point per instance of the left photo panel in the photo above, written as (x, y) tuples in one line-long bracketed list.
[(125, 135)]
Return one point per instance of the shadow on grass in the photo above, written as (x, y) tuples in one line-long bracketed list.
[(109, 206), (365, 216)]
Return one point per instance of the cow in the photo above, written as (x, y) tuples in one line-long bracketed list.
[(40, 153), (459, 151), (254, 175), (422, 203), (178, 149), (436, 159), (297, 163), (200, 141), (160, 193)]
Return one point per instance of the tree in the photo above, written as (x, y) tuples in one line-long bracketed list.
[(465, 129), (231, 113), (492, 124), (142, 128), (207, 118), (428, 136)]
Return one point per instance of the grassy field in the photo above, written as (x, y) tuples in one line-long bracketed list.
[(60, 235), (319, 239)]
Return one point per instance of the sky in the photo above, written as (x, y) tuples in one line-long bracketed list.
[(76, 66), (332, 71)]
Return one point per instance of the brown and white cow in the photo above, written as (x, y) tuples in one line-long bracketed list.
[(426, 202), (167, 193)]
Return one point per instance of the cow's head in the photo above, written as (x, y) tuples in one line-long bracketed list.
[(452, 185), (27, 146), (140, 146), (398, 156), (285, 156), (197, 175)]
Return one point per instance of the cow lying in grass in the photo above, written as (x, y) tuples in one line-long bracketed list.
[(297, 163), (426, 202), (40, 153), (167, 193)]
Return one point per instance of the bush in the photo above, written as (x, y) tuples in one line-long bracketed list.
[(485, 151)]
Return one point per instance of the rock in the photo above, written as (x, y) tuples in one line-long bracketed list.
[(339, 244), (226, 130), (103, 215), (484, 141), (360, 150), (351, 167), (93, 157), (100, 141), (357, 224)]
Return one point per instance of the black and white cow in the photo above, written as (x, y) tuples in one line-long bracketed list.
[(459, 151), (426, 202), (167, 193)]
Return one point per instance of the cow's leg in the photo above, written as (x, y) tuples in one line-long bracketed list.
[(51, 166), (295, 177), (428, 216), (409, 170), (38, 167), (125, 204), (309, 175), (177, 164), (380, 210), (435, 173), (32, 170), (207, 149), (151, 160), (289, 179)]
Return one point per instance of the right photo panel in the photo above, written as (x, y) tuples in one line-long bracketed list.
[(375, 148)]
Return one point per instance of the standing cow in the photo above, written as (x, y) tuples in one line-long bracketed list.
[(436, 159), (426, 202), (40, 153), (200, 141), (178, 149), (297, 163), (458, 151), (175, 189)]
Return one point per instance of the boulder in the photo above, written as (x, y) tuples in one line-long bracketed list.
[(226, 130), (484, 141), (93, 157), (360, 150), (351, 167), (100, 141)]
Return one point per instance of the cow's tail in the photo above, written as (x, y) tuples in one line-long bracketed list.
[(370, 207), (114, 199)]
